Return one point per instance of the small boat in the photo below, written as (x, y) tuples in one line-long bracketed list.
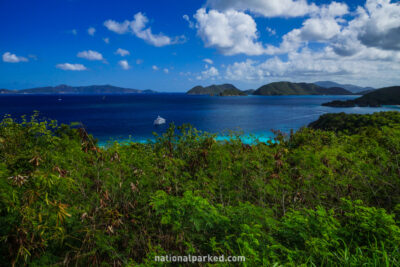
[(159, 121)]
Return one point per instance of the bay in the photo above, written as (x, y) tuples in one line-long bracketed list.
[(131, 116)]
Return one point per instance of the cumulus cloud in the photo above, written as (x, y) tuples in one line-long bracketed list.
[(208, 61), (91, 31), (322, 26), (209, 73), (166, 71), (122, 52), (124, 64), (353, 45), (139, 61), (306, 65), (117, 27), (154, 67), (13, 58), (266, 8), (138, 27), (231, 32), (106, 40), (73, 67), (378, 24), (90, 55)]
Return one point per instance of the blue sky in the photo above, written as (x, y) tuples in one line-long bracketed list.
[(175, 45)]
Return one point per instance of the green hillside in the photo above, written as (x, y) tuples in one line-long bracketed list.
[(377, 98), (288, 88), (211, 90), (232, 92)]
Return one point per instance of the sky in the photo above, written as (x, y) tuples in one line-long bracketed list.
[(171, 46)]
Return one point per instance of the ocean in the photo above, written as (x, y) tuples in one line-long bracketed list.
[(130, 116)]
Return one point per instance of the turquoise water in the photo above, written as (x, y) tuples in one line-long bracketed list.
[(130, 117)]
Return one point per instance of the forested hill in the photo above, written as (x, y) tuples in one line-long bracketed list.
[(353, 123), (377, 98), (350, 87), (288, 88), (212, 89)]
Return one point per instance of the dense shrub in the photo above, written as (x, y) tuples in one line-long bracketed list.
[(312, 198)]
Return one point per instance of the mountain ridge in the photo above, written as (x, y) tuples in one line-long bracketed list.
[(289, 88), (66, 89), (349, 87), (213, 89), (376, 98)]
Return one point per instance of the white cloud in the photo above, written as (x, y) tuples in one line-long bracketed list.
[(321, 27), (166, 71), (266, 8), (124, 64), (209, 61), (360, 46), (122, 52), (116, 27), (90, 55), (138, 27), (12, 58), (317, 29), (231, 32), (139, 61), (73, 67), (106, 40), (209, 73), (74, 31), (91, 31), (154, 67), (378, 24), (370, 66)]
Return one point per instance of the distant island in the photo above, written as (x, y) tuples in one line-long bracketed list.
[(216, 90), (276, 88), (377, 98), (288, 88), (66, 89), (349, 87)]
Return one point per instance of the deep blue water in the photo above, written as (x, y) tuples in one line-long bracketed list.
[(117, 117)]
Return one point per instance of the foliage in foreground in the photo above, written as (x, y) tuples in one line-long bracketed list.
[(313, 198)]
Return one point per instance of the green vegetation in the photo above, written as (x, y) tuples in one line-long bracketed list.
[(313, 198), (349, 87), (213, 90), (354, 123), (288, 88), (232, 92), (377, 98)]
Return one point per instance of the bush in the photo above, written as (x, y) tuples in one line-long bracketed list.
[(315, 197)]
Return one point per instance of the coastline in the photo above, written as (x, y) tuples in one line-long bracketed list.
[(247, 139)]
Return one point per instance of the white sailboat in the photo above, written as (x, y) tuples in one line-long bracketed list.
[(159, 121)]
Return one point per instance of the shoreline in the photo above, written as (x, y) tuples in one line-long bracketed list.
[(247, 139)]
